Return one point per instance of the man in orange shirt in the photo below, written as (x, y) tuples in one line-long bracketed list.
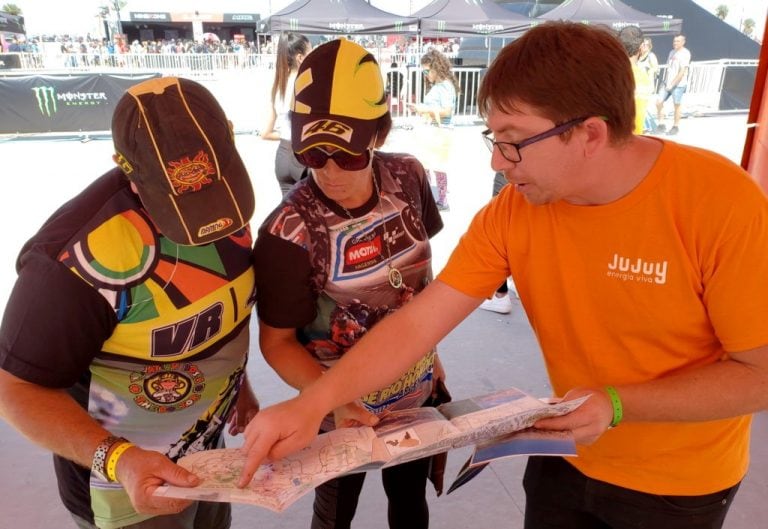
[(641, 265)]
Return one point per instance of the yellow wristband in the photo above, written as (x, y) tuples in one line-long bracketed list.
[(618, 410), (114, 457)]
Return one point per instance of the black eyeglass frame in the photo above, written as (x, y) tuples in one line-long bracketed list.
[(554, 131)]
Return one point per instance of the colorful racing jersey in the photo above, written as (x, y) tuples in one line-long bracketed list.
[(149, 336), (326, 274)]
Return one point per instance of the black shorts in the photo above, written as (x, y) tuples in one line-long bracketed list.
[(559, 496)]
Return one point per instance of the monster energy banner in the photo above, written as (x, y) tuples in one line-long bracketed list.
[(48, 103)]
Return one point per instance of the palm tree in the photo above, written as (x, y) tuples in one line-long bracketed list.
[(114, 6), (721, 12), (11, 9), (748, 27)]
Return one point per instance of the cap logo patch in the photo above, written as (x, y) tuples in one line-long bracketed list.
[(213, 227), (327, 126), (190, 175), (124, 164)]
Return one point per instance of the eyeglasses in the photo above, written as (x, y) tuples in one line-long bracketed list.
[(511, 151), (426, 70), (316, 158)]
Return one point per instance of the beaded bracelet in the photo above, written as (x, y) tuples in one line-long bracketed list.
[(618, 410)]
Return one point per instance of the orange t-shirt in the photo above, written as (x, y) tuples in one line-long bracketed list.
[(665, 279)]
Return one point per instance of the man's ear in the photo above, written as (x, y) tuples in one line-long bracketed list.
[(596, 137)]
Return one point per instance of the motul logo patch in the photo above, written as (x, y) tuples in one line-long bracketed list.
[(363, 252), (327, 126)]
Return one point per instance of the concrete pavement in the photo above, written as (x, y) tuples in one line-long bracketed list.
[(486, 352)]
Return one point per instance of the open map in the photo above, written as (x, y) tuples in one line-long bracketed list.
[(400, 436)]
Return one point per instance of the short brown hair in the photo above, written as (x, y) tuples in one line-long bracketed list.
[(567, 70)]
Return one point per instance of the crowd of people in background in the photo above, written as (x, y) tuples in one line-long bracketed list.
[(84, 51), (78, 51)]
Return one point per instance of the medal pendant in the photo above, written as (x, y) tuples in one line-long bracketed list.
[(395, 278)]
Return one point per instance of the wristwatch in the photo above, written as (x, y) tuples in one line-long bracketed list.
[(99, 464)]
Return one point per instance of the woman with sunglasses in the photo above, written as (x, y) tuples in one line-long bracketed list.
[(347, 246), (437, 110)]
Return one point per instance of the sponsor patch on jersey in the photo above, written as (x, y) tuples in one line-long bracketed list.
[(364, 252), (167, 387)]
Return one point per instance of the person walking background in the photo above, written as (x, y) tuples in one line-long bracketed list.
[(437, 110), (675, 84), (500, 302), (291, 50), (347, 246), (631, 37), (650, 64)]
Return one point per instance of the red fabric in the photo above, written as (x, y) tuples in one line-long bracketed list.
[(755, 157)]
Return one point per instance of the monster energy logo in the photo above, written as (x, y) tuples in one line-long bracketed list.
[(399, 25), (345, 27), (666, 25), (441, 25), (293, 23), (46, 100), (487, 28)]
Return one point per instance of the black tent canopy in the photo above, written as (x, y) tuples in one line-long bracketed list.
[(11, 23), (614, 14), (446, 18), (348, 17)]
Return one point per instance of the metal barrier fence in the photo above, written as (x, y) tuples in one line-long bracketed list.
[(708, 80), (170, 62), (405, 81)]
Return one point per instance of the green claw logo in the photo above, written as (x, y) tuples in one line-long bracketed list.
[(46, 100)]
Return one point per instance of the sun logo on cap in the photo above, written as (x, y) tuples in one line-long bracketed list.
[(191, 174)]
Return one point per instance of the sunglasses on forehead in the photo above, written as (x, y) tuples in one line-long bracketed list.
[(316, 158)]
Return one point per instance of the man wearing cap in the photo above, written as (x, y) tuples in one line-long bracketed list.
[(641, 264), (346, 247), (124, 342)]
